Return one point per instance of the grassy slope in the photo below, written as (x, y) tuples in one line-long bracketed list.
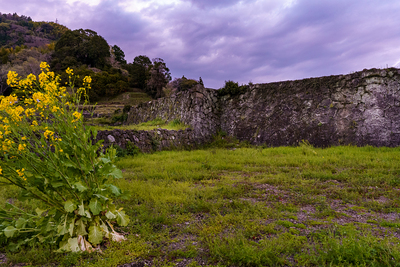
[(107, 106), (253, 207)]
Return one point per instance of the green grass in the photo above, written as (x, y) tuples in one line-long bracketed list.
[(146, 126), (243, 206)]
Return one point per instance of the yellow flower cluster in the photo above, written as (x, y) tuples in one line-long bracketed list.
[(12, 78), (6, 145), (21, 147), (39, 106), (44, 66), (77, 116), (21, 173), (69, 71), (86, 81), (48, 134)]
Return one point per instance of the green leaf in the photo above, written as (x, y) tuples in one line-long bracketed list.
[(100, 196), (95, 206), (80, 186), (115, 190), (69, 163), (105, 160), (73, 244), (71, 228), (57, 184), (87, 213), (64, 246), (95, 235), (20, 223), (9, 231), (122, 218), (81, 227), (115, 173), (69, 206), (110, 215), (81, 209), (62, 229), (39, 211), (104, 228)]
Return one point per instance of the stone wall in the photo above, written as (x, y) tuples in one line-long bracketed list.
[(149, 141), (198, 107), (362, 108)]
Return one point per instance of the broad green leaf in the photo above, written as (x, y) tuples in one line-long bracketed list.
[(80, 186), (9, 231), (122, 218), (87, 213), (110, 215), (104, 228), (73, 244), (115, 173), (95, 235), (115, 190), (105, 160), (57, 184), (64, 246), (62, 229), (71, 228), (100, 196), (69, 206), (81, 228), (20, 223), (39, 211), (81, 209), (95, 206)]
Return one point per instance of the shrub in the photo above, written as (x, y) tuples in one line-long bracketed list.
[(232, 88), (119, 118), (48, 154), (130, 150)]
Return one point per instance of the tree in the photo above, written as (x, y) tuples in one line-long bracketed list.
[(201, 82), (159, 77), (85, 46), (183, 84), (139, 71), (118, 54)]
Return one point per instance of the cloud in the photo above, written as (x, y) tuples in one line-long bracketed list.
[(254, 40)]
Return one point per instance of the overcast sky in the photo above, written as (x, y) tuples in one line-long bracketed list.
[(252, 40)]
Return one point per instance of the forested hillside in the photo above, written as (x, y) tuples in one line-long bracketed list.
[(25, 43)]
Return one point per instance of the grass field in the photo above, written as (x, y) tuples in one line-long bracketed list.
[(245, 206)]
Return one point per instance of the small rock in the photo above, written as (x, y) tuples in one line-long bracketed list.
[(111, 138)]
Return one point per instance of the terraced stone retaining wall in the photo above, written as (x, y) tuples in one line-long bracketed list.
[(362, 108)]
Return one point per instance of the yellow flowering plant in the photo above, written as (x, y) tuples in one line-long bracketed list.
[(47, 152)]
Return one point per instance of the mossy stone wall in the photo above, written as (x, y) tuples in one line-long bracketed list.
[(362, 108)]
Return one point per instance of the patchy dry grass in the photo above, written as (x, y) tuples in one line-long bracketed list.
[(108, 106), (286, 206)]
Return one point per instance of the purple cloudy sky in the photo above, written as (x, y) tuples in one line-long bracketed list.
[(251, 40)]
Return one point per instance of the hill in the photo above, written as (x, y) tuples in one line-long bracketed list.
[(22, 31), (25, 43)]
